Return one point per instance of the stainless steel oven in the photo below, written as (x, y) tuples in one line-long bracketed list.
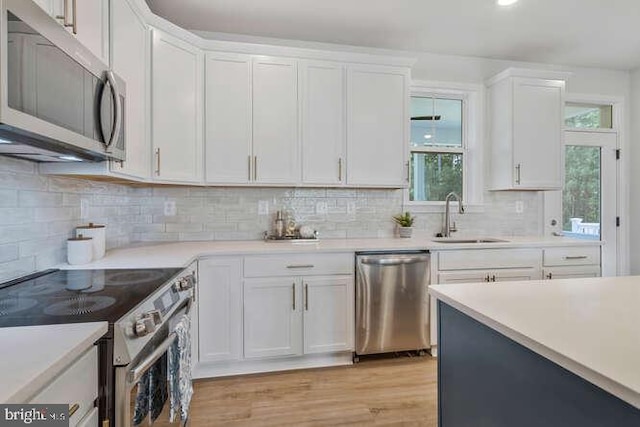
[(58, 102), (170, 305)]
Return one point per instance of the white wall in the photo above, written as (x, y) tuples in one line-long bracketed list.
[(634, 192)]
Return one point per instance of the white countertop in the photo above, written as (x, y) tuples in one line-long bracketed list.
[(180, 254), (589, 326), (33, 356)]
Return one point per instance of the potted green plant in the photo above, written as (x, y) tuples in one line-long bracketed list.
[(405, 224)]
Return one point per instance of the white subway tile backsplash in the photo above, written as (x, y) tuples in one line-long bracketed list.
[(38, 213)]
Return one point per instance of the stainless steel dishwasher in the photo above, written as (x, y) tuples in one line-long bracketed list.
[(392, 302)]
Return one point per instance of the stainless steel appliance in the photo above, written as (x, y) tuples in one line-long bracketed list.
[(392, 302), (142, 307), (58, 102)]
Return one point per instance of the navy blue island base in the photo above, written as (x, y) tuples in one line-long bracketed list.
[(485, 379)]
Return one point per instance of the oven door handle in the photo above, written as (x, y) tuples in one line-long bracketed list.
[(136, 373)]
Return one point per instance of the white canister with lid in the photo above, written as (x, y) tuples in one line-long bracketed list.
[(79, 250), (98, 234)]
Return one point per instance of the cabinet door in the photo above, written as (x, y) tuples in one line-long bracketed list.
[(475, 276), (272, 317), (582, 271), (228, 118), (275, 121), (176, 77), (328, 314), (537, 133), (129, 55), (515, 274), (92, 26), (220, 309), (377, 123), (323, 123)]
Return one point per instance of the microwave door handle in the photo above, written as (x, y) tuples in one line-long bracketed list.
[(117, 114)]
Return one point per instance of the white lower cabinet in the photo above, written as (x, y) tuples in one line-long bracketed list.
[(272, 317), (489, 276), (77, 387), (272, 312), (220, 309), (298, 315), (328, 314)]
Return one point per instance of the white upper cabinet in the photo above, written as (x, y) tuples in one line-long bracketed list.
[(377, 126), (323, 123), (92, 26), (176, 108), (525, 131), (275, 121), (129, 55), (228, 118), (88, 20)]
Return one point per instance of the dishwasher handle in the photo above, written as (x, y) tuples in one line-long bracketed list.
[(394, 260)]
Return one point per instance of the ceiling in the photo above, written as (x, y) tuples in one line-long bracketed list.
[(591, 33)]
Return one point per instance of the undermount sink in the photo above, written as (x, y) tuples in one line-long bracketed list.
[(477, 240)]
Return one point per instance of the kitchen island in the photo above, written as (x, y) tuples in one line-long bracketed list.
[(561, 353)]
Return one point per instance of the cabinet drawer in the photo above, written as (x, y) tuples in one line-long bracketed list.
[(78, 384), (571, 256), (488, 258), (571, 272), (298, 265)]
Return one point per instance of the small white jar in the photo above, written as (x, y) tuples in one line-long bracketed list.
[(98, 234), (79, 250)]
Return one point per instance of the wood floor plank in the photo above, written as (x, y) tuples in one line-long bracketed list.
[(389, 392)]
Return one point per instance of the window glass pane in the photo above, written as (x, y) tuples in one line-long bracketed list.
[(434, 175), (436, 122), (588, 116), (581, 195)]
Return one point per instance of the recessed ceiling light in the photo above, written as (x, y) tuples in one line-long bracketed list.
[(506, 2), (427, 136), (5, 141)]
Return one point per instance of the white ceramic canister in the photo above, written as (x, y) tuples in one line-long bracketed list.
[(99, 236), (79, 250)]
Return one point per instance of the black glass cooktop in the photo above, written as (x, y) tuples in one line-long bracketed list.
[(73, 296)]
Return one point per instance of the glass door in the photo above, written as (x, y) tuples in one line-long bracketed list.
[(587, 206)]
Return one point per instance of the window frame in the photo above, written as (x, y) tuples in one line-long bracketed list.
[(472, 97)]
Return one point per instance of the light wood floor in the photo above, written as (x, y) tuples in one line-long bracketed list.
[(398, 391)]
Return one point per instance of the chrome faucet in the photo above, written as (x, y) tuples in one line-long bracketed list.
[(448, 228)]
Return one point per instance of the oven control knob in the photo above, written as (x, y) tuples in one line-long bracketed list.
[(144, 327), (155, 315)]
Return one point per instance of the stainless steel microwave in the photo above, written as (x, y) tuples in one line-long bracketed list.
[(58, 101)]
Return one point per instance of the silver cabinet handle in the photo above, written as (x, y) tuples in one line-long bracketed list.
[(306, 296), (408, 171), (64, 16), (158, 161), (255, 168), (550, 276), (487, 279), (301, 266), (117, 122), (74, 16), (249, 167), (340, 169), (576, 257), (293, 291), (493, 278), (518, 168)]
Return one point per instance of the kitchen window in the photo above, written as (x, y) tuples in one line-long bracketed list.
[(443, 145)]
